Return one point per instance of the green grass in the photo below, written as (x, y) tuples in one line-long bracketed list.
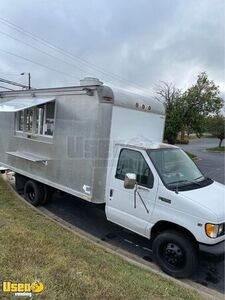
[(33, 247), (191, 155), (217, 149)]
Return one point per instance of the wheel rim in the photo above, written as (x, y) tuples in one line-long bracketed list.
[(173, 256)]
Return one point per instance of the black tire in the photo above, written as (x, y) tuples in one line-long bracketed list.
[(49, 191), (175, 253), (34, 192)]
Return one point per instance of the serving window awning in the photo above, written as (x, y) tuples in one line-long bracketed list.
[(18, 104)]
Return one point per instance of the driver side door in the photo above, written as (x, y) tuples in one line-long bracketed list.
[(132, 208)]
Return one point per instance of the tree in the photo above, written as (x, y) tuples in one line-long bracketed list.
[(190, 109), (170, 96), (199, 101), (216, 126)]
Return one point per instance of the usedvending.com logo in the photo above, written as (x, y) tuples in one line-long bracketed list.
[(22, 289)]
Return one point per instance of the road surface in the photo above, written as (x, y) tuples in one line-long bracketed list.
[(212, 164)]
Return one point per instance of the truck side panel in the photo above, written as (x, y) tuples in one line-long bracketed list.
[(72, 150)]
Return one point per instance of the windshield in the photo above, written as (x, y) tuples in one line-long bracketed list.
[(175, 167)]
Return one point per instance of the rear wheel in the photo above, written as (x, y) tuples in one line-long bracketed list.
[(49, 191), (34, 192), (175, 253)]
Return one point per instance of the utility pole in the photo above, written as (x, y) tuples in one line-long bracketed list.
[(29, 79)]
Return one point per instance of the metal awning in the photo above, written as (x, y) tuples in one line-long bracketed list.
[(18, 104)]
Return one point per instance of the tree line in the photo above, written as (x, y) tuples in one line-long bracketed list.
[(196, 110)]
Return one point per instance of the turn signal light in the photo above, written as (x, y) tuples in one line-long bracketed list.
[(211, 230)]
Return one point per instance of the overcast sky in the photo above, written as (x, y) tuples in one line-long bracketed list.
[(129, 43)]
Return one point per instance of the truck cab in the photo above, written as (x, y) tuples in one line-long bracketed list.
[(157, 191)]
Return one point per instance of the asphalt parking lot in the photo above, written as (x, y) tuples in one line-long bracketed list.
[(91, 218), (211, 164)]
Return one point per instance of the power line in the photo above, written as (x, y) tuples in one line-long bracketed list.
[(7, 74), (13, 83), (68, 54), (21, 57), (3, 87), (37, 63), (37, 49)]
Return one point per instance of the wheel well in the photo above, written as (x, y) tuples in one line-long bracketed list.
[(165, 225), (20, 182)]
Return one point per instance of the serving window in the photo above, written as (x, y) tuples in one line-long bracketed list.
[(36, 121)]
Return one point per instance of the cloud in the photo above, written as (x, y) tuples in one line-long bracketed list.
[(140, 41)]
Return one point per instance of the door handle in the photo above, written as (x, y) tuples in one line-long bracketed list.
[(111, 193)]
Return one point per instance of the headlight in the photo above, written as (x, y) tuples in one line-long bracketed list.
[(221, 229), (214, 230)]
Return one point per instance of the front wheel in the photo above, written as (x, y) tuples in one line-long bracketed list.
[(175, 253)]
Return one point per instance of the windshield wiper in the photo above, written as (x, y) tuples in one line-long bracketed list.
[(203, 177), (177, 181), (185, 180)]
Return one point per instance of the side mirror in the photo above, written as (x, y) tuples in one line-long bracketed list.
[(130, 181)]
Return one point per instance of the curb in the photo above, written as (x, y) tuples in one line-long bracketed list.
[(126, 256), (210, 151)]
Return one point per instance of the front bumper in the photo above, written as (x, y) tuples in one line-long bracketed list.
[(217, 249)]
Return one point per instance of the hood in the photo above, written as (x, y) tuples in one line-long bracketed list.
[(211, 197)]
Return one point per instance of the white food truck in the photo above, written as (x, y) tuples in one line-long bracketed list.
[(105, 146)]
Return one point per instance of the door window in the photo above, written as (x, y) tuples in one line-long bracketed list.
[(131, 161)]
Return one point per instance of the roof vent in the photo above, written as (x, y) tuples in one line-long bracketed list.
[(90, 81)]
